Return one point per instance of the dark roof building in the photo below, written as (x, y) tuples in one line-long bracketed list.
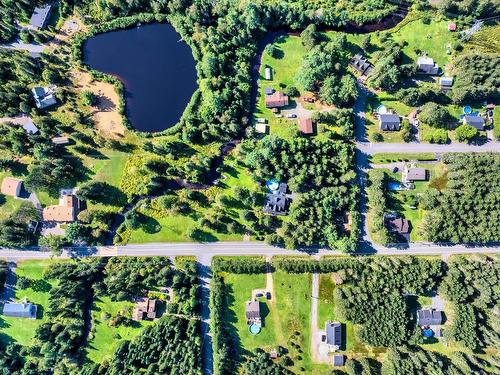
[(20, 310), (44, 97), (361, 64), (400, 226), (40, 16), (338, 360), (475, 121), (333, 335), (252, 311), (269, 90), (389, 122), (429, 317), (144, 308), (275, 204)]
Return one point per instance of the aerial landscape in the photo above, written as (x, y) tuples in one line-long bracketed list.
[(249, 187)]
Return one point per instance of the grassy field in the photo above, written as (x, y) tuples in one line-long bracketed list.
[(23, 330), (284, 69), (390, 157), (104, 338), (284, 317), (496, 122)]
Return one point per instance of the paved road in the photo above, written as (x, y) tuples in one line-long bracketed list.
[(375, 148), (34, 49)]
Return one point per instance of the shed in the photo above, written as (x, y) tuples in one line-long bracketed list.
[(40, 16), (452, 26), (30, 128), (12, 186), (475, 121), (20, 310), (261, 128), (268, 73), (306, 125), (446, 82), (389, 122), (429, 317), (60, 141), (338, 360)]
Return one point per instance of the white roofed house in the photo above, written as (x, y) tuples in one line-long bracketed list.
[(40, 17), (29, 127), (44, 96), (426, 65), (445, 83)]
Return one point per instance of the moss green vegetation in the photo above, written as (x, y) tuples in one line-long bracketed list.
[(21, 330), (105, 337)]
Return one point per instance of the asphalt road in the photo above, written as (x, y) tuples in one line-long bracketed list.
[(413, 147)]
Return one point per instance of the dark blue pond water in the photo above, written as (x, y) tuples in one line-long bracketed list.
[(157, 70)]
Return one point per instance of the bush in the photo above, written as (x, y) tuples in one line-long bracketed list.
[(466, 133), (434, 115)]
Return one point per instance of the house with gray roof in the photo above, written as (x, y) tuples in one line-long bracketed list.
[(429, 317), (44, 96), (23, 309), (333, 336), (426, 65), (252, 312), (276, 201), (414, 174), (475, 121), (389, 122), (361, 64), (40, 16), (338, 360)]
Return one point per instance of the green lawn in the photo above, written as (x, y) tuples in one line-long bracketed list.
[(104, 338), (496, 121), (284, 69), (23, 330), (389, 157)]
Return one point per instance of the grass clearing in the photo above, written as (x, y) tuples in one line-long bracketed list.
[(22, 330), (390, 157)]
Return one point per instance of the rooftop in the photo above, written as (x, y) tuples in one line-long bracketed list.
[(20, 310), (40, 16), (416, 174), (67, 210), (306, 125), (11, 186), (252, 310), (429, 317), (276, 99)]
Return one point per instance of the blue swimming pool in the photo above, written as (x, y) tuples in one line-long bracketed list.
[(395, 186)]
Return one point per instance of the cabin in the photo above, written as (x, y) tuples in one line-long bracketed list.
[(252, 312), (276, 100), (445, 83), (12, 187), (389, 122), (22, 309), (429, 317), (44, 97), (361, 64), (65, 212), (399, 226), (475, 121), (144, 308), (332, 336), (40, 17), (306, 126), (268, 73), (426, 65), (338, 360), (414, 174)]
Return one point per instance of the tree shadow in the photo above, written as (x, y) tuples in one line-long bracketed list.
[(237, 350), (149, 224)]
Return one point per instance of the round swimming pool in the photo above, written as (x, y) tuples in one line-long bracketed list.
[(254, 329)]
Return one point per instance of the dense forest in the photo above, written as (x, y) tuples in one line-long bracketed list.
[(322, 171), (466, 210)]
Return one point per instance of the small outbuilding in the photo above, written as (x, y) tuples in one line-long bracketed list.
[(261, 128), (60, 141), (338, 360), (269, 90), (306, 126), (445, 83), (268, 73), (452, 26), (22, 309), (40, 16), (426, 65), (29, 127), (12, 187), (475, 121), (389, 122)]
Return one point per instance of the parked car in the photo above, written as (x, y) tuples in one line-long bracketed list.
[(291, 115), (268, 295)]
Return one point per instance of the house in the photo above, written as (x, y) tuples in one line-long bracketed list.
[(44, 96), (400, 226), (306, 126), (12, 186), (40, 16), (275, 204), (332, 336), (261, 128), (445, 83), (22, 309), (60, 141), (144, 308), (338, 360), (414, 174), (269, 90), (268, 73), (389, 122), (452, 26), (66, 211), (252, 312), (427, 65), (475, 121), (29, 127), (276, 100), (429, 317), (361, 64)]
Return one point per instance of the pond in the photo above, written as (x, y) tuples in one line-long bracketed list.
[(156, 67)]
